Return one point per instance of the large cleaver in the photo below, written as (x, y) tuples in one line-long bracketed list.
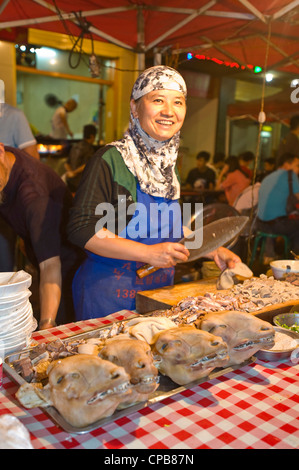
[(216, 234)]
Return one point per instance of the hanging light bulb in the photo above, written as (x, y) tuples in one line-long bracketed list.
[(261, 117)]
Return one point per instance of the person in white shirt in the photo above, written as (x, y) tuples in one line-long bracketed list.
[(59, 122)]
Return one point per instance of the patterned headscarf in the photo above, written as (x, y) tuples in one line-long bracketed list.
[(150, 160)]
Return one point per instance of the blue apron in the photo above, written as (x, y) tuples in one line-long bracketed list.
[(106, 285)]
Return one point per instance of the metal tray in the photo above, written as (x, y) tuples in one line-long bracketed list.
[(279, 354), (167, 387)]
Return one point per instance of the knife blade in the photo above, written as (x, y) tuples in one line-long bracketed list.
[(213, 235)]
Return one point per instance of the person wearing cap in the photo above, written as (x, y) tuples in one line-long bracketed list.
[(113, 217)]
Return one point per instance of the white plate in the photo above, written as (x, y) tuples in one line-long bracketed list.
[(7, 302), (10, 315), (18, 347), (20, 338), (10, 330), (11, 283), (6, 312)]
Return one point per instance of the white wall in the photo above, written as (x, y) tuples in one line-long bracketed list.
[(199, 130), (32, 90)]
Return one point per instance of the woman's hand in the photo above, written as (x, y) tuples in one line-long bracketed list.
[(224, 258), (160, 255), (166, 255)]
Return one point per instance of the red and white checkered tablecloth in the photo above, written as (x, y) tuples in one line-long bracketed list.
[(255, 407)]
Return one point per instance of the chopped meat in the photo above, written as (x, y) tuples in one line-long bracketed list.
[(24, 368)]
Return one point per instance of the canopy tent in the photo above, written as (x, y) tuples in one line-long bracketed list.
[(280, 107), (227, 30), (238, 33)]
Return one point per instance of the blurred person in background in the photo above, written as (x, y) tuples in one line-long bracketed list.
[(273, 195), (232, 179), (246, 160), (269, 166), (35, 202), (202, 177), (290, 144), (15, 132), (59, 122), (79, 155), (218, 163)]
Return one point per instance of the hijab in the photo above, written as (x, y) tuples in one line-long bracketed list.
[(152, 161)]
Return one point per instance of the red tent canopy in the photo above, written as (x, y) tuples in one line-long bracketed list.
[(230, 30), (278, 107)]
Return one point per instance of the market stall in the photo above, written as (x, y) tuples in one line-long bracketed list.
[(254, 407), (253, 404)]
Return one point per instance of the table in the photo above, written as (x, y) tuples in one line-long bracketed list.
[(255, 407)]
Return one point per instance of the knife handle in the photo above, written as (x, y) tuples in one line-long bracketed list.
[(146, 270)]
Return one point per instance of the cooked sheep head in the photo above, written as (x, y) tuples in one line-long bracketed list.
[(137, 359), (244, 333), (86, 388), (186, 354)]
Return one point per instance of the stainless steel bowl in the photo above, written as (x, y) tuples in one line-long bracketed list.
[(288, 319), (279, 355)]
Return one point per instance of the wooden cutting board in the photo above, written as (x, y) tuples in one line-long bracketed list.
[(167, 297)]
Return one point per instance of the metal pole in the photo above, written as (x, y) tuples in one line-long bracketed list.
[(140, 39)]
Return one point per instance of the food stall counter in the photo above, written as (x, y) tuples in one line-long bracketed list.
[(253, 407)]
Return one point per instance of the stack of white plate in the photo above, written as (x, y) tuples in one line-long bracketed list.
[(16, 316)]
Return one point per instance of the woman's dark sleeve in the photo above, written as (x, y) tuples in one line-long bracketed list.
[(95, 187)]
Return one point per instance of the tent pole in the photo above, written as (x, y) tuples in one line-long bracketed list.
[(182, 23), (157, 56), (227, 136), (286, 9), (253, 10), (5, 2), (140, 39)]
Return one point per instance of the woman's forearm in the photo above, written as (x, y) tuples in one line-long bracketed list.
[(50, 291), (106, 243), (163, 255)]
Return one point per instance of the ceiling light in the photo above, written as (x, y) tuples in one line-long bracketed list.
[(46, 52)]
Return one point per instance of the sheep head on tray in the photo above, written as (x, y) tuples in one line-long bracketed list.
[(186, 354), (244, 333), (86, 388), (137, 359), (83, 388)]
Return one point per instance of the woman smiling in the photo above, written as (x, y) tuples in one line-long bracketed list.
[(133, 175)]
